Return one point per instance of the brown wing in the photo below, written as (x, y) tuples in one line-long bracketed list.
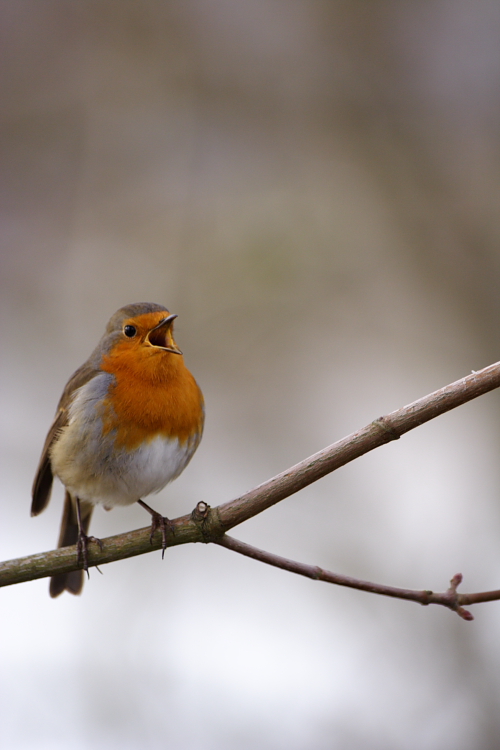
[(42, 484)]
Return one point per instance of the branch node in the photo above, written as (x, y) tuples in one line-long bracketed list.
[(317, 573), (426, 597), (452, 598), (208, 522), (387, 428), (451, 595), (200, 513)]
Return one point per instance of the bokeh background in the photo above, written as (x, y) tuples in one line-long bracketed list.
[(314, 188)]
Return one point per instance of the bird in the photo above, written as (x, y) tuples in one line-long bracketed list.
[(128, 422)]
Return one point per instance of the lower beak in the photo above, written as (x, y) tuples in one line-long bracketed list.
[(161, 336)]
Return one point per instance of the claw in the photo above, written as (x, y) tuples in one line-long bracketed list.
[(158, 522), (82, 549), (83, 540)]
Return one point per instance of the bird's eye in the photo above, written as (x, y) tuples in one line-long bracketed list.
[(130, 331)]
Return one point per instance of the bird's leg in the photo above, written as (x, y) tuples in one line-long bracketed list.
[(82, 543), (158, 522)]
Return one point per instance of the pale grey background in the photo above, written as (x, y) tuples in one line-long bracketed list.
[(314, 188)]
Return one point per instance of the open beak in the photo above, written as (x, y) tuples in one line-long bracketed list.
[(161, 336)]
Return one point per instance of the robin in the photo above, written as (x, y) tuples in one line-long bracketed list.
[(128, 422)]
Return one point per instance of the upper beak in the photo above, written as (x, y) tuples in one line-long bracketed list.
[(161, 336)]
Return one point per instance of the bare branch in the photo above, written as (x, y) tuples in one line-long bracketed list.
[(209, 525), (118, 547), (449, 599), (377, 433)]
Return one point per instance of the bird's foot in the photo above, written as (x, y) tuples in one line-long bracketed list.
[(82, 548), (158, 522)]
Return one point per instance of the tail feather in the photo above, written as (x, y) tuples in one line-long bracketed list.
[(68, 536)]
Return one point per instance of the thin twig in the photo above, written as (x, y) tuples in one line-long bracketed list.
[(449, 599)]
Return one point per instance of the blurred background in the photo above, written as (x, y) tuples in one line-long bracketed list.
[(313, 187)]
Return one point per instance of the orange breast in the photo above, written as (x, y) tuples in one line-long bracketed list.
[(154, 394)]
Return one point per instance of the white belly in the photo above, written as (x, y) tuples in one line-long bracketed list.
[(127, 477)]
